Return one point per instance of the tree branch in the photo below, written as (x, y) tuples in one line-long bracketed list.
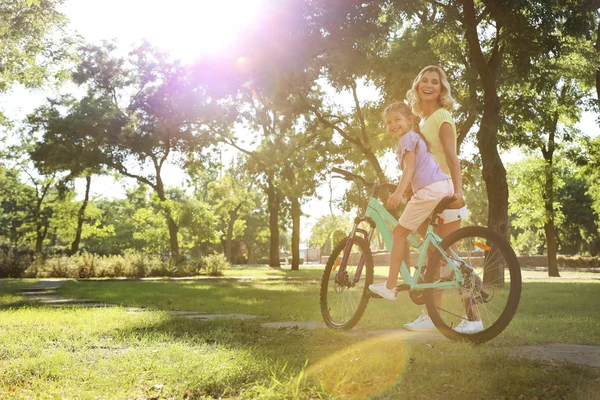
[(361, 119)]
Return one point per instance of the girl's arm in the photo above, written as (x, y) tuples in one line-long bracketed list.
[(449, 146), (408, 170)]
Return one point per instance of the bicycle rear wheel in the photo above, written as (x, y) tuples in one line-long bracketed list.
[(482, 307), (344, 288)]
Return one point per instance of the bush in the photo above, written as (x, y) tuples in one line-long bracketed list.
[(57, 267), (578, 262), (193, 267), (215, 264), (136, 265), (14, 263)]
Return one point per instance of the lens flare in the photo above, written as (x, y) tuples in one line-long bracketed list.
[(363, 369)]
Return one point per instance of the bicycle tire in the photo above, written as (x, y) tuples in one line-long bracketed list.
[(485, 296), (353, 298)]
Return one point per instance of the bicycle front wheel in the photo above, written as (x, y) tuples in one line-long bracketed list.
[(344, 288), (481, 307)]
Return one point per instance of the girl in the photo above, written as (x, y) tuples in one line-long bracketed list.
[(429, 185)]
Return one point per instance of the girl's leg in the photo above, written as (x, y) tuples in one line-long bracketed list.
[(397, 254)]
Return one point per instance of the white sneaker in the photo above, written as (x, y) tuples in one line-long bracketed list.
[(423, 323), (382, 290), (467, 326)]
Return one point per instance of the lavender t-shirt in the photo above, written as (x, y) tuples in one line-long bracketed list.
[(427, 170)]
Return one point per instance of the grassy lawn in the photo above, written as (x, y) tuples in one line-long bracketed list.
[(111, 353)]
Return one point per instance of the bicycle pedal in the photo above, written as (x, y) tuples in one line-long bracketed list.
[(373, 295), (403, 288)]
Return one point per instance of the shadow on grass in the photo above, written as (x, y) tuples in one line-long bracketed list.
[(565, 312), (273, 299), (438, 370)]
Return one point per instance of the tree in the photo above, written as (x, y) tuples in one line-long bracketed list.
[(33, 43), (543, 110), (528, 204), (29, 207), (68, 146), (232, 199), (322, 230), (578, 233), (140, 113)]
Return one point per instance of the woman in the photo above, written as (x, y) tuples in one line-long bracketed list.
[(431, 99)]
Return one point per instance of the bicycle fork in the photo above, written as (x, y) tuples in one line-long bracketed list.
[(341, 275)]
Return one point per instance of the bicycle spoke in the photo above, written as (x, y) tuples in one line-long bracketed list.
[(342, 299), (488, 304)]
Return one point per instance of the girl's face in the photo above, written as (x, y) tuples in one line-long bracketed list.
[(430, 87), (397, 124)]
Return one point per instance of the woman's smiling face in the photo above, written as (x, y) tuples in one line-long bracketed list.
[(430, 87)]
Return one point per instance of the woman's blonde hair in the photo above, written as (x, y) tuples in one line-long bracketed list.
[(414, 100)]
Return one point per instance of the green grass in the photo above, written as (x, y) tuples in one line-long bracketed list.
[(110, 353), (9, 289)]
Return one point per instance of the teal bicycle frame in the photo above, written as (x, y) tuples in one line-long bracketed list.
[(379, 215)]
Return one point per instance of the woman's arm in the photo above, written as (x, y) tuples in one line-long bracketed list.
[(449, 146), (408, 170)]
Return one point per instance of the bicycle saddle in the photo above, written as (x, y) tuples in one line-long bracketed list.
[(450, 203)]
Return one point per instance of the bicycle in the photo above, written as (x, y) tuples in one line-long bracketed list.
[(472, 274)]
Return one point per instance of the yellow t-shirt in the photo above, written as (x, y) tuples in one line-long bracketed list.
[(430, 128)]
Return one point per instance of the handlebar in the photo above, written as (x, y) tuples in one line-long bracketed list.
[(381, 191), (350, 176)]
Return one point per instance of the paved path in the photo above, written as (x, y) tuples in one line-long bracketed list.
[(44, 292)]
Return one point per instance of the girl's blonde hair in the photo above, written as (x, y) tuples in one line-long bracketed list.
[(446, 100), (405, 110), (400, 107)]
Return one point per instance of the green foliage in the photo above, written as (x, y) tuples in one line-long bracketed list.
[(578, 232), (526, 204), (215, 264), (337, 236), (35, 45), (475, 193), (14, 263), (322, 230), (86, 265)]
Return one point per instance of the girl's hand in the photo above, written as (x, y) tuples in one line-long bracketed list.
[(393, 201)]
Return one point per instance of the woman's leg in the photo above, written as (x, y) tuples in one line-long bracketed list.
[(443, 231)]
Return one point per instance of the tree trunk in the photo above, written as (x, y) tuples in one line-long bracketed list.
[(171, 224), (233, 216), (549, 228), (296, 213), (273, 205), (550, 232), (548, 153), (494, 175), (81, 215), (39, 241), (597, 45), (250, 248)]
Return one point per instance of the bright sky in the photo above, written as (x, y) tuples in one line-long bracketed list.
[(188, 29)]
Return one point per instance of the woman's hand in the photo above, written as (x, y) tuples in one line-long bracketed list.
[(393, 201), (458, 202)]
